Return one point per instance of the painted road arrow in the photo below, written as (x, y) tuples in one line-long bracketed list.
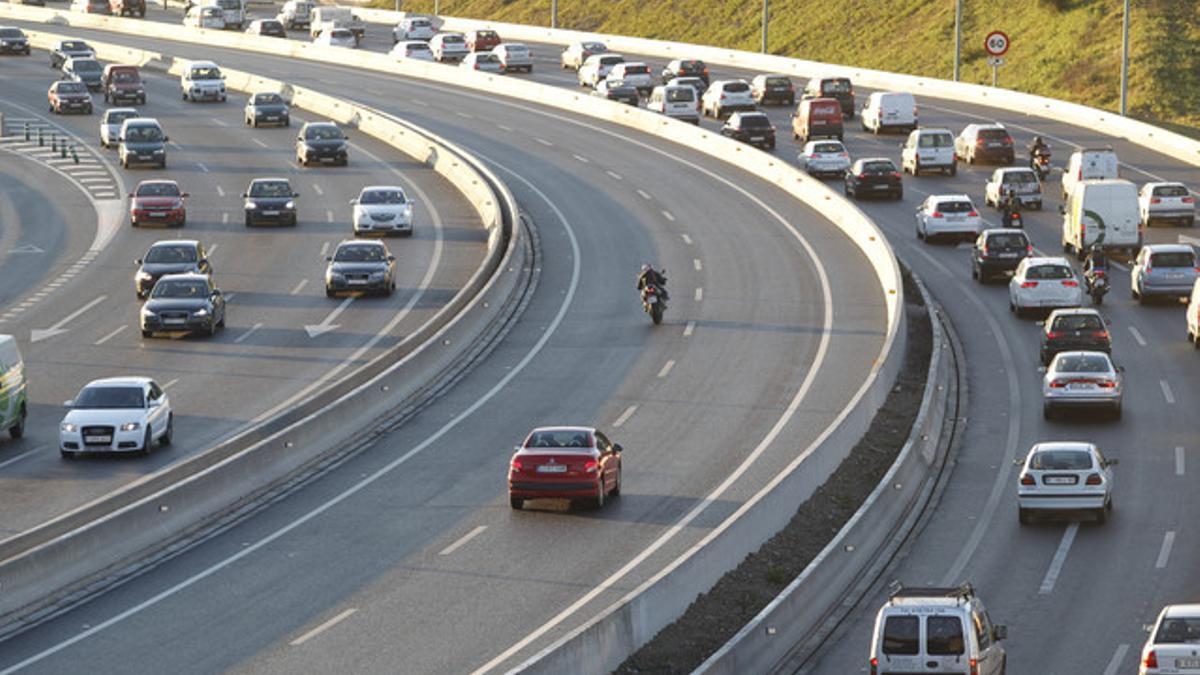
[(27, 248), (57, 329), (328, 324)]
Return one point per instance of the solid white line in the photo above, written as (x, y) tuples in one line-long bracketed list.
[(317, 189), (248, 333), (1164, 553), (73, 315), (1060, 557), (581, 158), (111, 335), (697, 264), (170, 384), (1179, 460), (299, 286), (1114, 665), (668, 216), (23, 455), (666, 368), (613, 174), (1137, 336), (504, 128), (686, 239), (462, 540), (220, 191), (645, 195), (543, 141), (323, 627), (213, 249), (689, 328), (328, 215), (259, 143), (624, 416), (1166, 389), (699, 294), (423, 103), (202, 167)]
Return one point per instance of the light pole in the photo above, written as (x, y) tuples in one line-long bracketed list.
[(765, 13), (1125, 58), (554, 13), (957, 36)]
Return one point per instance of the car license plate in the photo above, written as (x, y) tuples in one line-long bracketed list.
[(994, 145), (552, 468), (1174, 276), (271, 118), (651, 299), (329, 159), (757, 138), (1077, 386), (1010, 254), (1187, 663), (158, 214), (356, 282), (882, 187), (270, 213), (1060, 480), (174, 321), (97, 439)]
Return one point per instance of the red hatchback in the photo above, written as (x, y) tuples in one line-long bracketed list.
[(157, 201), (565, 463), (482, 40)]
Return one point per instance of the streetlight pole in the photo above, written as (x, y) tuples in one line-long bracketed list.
[(554, 13), (957, 36), (765, 13), (1125, 58)]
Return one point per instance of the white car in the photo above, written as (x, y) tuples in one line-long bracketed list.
[(1043, 283), (578, 52), (928, 150), (824, 158), (948, 215), (514, 56), (597, 67), (1064, 476), (413, 28), (635, 74), (337, 37), (726, 96), (412, 49), (208, 16), (1021, 179), (383, 209), (118, 414), (448, 47), (110, 125), (1174, 643), (680, 102), (1081, 379), (1166, 201), (202, 80), (484, 62)]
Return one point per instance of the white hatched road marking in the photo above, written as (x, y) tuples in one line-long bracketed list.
[(666, 368), (699, 294), (23, 455), (1060, 557), (581, 158), (317, 189), (170, 383), (1164, 553), (544, 142), (202, 167), (686, 239), (462, 540), (259, 143), (323, 627), (328, 215), (225, 217), (220, 191)]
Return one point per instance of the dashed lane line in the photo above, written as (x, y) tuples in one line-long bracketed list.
[(463, 540), (1164, 553), (1137, 335), (1167, 393), (323, 627), (666, 369), (1179, 460), (689, 329), (1060, 557), (1114, 664), (624, 417)]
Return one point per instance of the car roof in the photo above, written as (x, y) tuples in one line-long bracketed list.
[(157, 181), (1083, 352), (1002, 230), (176, 242), (1061, 445), (123, 110), (1184, 610), (1170, 248), (1075, 311), (1014, 169), (987, 125), (186, 276), (959, 197), (203, 64), (382, 187), (562, 428), (864, 160), (361, 242), (1164, 183), (910, 603), (1046, 260), (320, 124), (265, 179), (127, 380), (142, 121), (823, 140)]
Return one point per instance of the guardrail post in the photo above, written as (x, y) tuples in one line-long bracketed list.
[(41, 142), (27, 131), (74, 155), (62, 149)]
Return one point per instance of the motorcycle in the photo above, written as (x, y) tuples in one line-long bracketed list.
[(1040, 163), (1097, 287), (653, 303), (1012, 218)]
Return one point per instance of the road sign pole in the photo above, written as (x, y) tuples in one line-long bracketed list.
[(554, 13), (1125, 57), (765, 14), (957, 37), (995, 74)]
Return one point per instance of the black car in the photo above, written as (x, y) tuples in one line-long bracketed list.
[(183, 302), (685, 68), (1074, 329), (617, 90), (997, 252), (270, 201), (750, 127), (873, 176), (358, 265), (769, 89), (268, 27), (175, 256), (267, 108), (321, 142), (13, 41), (86, 70), (70, 49), (694, 82)]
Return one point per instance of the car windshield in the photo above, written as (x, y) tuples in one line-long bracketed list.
[(71, 88), (736, 87), (73, 46), (124, 77), (1170, 191), (1061, 460), (1173, 259), (878, 167), (1007, 240), (1049, 272), (323, 133), (563, 438), (936, 141), (452, 39), (158, 190), (271, 25), (993, 134), (110, 397), (681, 95), (179, 288), (637, 70), (486, 34), (268, 99), (86, 66), (382, 197), (143, 134), (1081, 363), (594, 47), (954, 207), (1177, 630), (1023, 176), (229, 4), (1078, 322), (10, 33), (611, 60), (172, 253), (755, 122), (828, 148), (837, 86), (118, 116), (360, 253), (206, 73), (271, 188)]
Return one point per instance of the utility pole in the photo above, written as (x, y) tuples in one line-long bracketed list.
[(554, 13), (765, 13), (1125, 58), (957, 36)]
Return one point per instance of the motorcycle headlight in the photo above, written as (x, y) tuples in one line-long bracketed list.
[(202, 312), (68, 427), (131, 426), (290, 205), (376, 275)]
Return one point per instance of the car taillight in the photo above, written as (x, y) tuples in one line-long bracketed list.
[(1026, 479), (974, 666), (706, 71), (979, 141), (861, 176), (983, 251), (476, 66), (973, 214), (1070, 282), (590, 466), (1008, 140), (1093, 479), (1057, 384), (1102, 334), (1053, 335), (844, 154), (914, 111), (1029, 250), (1029, 284), (722, 96), (1155, 200), (1106, 384), (895, 174), (874, 666), (1147, 269), (516, 466), (1151, 660), (936, 214), (1189, 200), (1079, 174)]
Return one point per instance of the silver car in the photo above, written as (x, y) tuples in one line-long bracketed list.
[(1064, 476), (1020, 180), (110, 125), (824, 158), (1163, 269), (1173, 643), (1082, 380), (514, 56), (948, 215), (1043, 283)]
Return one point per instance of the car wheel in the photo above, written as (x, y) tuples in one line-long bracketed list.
[(142, 100), (954, 169), (165, 439), (185, 95), (212, 329), (616, 491), (1024, 516), (517, 503), (67, 454), (17, 430), (920, 234), (146, 443), (328, 292), (1101, 516), (1116, 413), (899, 195), (248, 221), (971, 158), (1047, 412), (601, 496), (974, 273)]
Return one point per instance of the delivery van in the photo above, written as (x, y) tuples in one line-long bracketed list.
[(1104, 211), (1089, 164), (817, 118), (888, 110), (12, 388)]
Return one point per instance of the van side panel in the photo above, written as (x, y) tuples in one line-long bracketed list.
[(12, 382)]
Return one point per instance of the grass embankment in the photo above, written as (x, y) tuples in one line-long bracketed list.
[(1067, 49)]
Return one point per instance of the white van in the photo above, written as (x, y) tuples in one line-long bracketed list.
[(325, 17), (677, 101), (1104, 210), (1193, 315), (202, 80), (12, 388), (889, 110), (1089, 164), (296, 14), (235, 13), (928, 150), (936, 630)]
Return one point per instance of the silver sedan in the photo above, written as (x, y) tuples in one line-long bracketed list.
[(1082, 380), (1064, 476), (1043, 283), (824, 158)]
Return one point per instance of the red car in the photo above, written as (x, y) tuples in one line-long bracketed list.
[(482, 40), (157, 201), (65, 96), (565, 463)]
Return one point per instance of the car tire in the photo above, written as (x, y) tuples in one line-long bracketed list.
[(329, 292), (1024, 516), (1116, 413), (17, 430), (249, 223), (66, 454), (147, 443), (601, 496), (1101, 516), (954, 169), (616, 491), (1047, 412), (165, 439), (516, 503), (899, 195), (212, 329), (185, 96)]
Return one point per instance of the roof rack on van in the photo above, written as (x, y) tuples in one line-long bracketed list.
[(964, 591)]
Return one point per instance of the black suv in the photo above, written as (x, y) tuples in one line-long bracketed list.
[(685, 68), (270, 201), (1074, 329), (754, 128), (873, 176), (997, 252), (322, 142)]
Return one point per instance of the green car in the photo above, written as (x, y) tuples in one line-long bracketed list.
[(12, 387)]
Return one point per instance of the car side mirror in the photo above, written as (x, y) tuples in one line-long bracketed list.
[(1000, 632), (299, 138), (70, 403), (153, 403), (391, 258), (138, 262), (222, 77), (295, 194), (130, 195), (1120, 369), (353, 201), (245, 195), (1018, 462), (216, 292), (185, 195), (122, 140), (166, 138), (1111, 462), (1147, 627)]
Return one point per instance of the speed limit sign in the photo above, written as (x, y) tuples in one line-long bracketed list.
[(996, 43)]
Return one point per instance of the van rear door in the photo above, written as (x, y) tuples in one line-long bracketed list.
[(945, 644), (1097, 164), (900, 645)]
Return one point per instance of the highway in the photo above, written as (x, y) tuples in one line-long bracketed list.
[(449, 579)]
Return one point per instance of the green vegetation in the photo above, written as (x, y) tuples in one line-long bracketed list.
[(1063, 48)]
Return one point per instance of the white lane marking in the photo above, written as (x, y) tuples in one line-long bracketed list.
[(1114, 665), (689, 329), (323, 627), (697, 264), (259, 143), (317, 189), (239, 339), (419, 102), (699, 294), (643, 194), (220, 123), (668, 216), (225, 217), (1166, 390), (299, 286), (324, 249), (1060, 557), (1137, 335), (213, 249), (466, 116), (1164, 553), (666, 369), (462, 540), (328, 215), (57, 329), (543, 141), (625, 416), (504, 128), (170, 383), (23, 455), (230, 296), (220, 191), (327, 324), (583, 159), (115, 333), (1179, 466), (686, 239), (202, 167), (613, 174)]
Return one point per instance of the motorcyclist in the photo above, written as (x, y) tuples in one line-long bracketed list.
[(1096, 264), (1012, 207), (1037, 147), (652, 277)]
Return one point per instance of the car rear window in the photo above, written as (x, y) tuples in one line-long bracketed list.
[(1173, 259), (878, 167), (944, 636), (692, 66), (116, 117), (1170, 191), (936, 141), (1020, 177), (1049, 272), (420, 23), (1078, 322), (565, 438), (486, 34), (158, 190), (825, 109), (901, 635), (71, 88), (1007, 240), (993, 134), (1178, 630), (1061, 460), (681, 95), (836, 86), (778, 81), (611, 60), (736, 87), (452, 40), (955, 207), (637, 70), (755, 122), (1081, 363), (826, 148)]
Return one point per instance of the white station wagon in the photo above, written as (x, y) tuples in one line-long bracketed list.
[(1043, 283)]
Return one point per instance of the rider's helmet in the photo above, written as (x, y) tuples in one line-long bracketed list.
[(645, 267), (1037, 140)]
